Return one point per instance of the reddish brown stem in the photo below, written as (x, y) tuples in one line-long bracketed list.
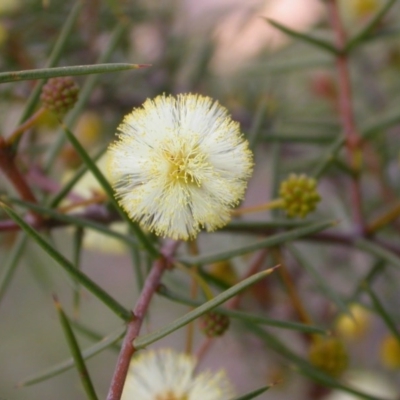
[(36, 177), (97, 213), (10, 170), (127, 349), (291, 288), (345, 106), (25, 126)]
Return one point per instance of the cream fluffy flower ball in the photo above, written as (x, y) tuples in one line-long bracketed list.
[(168, 375), (180, 165)]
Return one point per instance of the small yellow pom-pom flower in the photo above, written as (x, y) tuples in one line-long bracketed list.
[(299, 195), (390, 352), (329, 355), (180, 165), (59, 94), (355, 325)]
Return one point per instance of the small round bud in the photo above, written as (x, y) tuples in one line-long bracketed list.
[(355, 325), (299, 195), (213, 324), (365, 8), (390, 352), (59, 94), (224, 271), (329, 355)]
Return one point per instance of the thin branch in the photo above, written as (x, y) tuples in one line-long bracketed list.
[(14, 136), (127, 349), (10, 170), (345, 106)]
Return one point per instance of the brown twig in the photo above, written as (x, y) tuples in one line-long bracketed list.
[(37, 178), (345, 106), (127, 349), (14, 136), (10, 170), (291, 288), (100, 214)]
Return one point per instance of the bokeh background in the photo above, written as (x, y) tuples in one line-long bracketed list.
[(283, 92)]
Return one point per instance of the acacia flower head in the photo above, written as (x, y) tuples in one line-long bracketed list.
[(168, 375), (180, 165)]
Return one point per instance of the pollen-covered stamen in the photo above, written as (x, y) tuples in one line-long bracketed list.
[(186, 163), (169, 395)]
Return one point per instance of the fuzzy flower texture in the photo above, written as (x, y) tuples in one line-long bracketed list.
[(168, 375), (180, 165)]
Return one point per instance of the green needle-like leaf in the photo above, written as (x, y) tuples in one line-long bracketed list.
[(365, 32), (76, 353), (322, 44), (254, 393), (328, 158), (271, 241), (93, 335), (257, 227), (83, 279), (245, 316), (77, 252), (325, 288), (145, 340), (378, 251), (380, 309), (258, 120), (368, 279), (10, 265), (56, 200), (102, 345), (378, 124), (76, 220), (47, 73)]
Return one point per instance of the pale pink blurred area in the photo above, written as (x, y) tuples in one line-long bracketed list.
[(242, 32)]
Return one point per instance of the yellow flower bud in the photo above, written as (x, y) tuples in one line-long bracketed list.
[(88, 128), (299, 195), (390, 352), (353, 326), (329, 355), (224, 271)]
